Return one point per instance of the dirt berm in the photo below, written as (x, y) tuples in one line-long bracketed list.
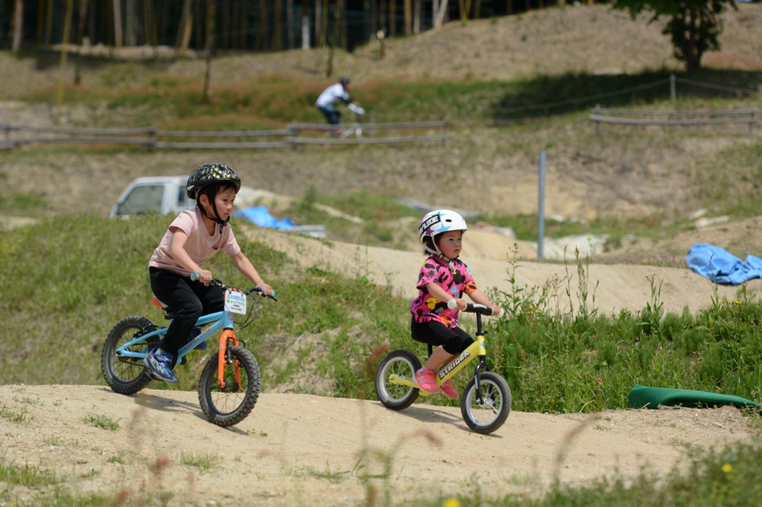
[(306, 450), (610, 287)]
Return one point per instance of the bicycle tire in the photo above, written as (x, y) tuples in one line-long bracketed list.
[(396, 396), (491, 383), (116, 370), (207, 388)]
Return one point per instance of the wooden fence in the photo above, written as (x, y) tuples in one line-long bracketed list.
[(288, 137), (674, 118)]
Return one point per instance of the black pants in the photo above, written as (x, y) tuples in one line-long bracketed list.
[(188, 301), (331, 114), (434, 333)]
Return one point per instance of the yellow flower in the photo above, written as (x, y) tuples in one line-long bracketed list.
[(727, 467), (451, 502)]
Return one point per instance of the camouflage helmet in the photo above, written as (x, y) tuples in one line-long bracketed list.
[(209, 174)]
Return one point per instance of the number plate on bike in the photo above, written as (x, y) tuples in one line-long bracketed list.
[(235, 301)]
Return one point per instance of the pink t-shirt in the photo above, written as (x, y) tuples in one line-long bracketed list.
[(200, 245), (427, 308)]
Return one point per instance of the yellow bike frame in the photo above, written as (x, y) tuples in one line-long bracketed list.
[(449, 369)]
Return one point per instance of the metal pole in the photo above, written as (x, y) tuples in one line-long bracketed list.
[(672, 87), (541, 207)]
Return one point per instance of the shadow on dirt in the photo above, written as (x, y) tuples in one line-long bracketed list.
[(553, 95), (430, 414), (171, 406)]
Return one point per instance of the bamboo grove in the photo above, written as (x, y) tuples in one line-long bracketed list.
[(247, 25)]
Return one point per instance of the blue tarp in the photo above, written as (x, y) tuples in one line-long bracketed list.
[(261, 216), (721, 266)]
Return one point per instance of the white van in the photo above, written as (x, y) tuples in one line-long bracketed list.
[(164, 195)]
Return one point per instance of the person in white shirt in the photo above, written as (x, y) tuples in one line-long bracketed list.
[(333, 93)]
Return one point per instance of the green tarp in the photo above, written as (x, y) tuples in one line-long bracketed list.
[(652, 397)]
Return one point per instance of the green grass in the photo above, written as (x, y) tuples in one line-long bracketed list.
[(13, 415), (29, 476), (101, 421), (201, 460), (22, 203)]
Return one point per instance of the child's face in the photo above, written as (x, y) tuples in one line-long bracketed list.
[(224, 201), (451, 243)]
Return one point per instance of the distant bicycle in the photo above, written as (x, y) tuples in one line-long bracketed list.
[(229, 385), (348, 130)]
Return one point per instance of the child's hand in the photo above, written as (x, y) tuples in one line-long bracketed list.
[(497, 312), (267, 289), (458, 303), (204, 276)]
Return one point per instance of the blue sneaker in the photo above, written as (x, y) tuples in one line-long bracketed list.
[(160, 366), (194, 333)]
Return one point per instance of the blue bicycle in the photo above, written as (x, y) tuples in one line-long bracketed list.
[(229, 385)]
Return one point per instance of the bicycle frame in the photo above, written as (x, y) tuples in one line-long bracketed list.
[(222, 320), (476, 350)]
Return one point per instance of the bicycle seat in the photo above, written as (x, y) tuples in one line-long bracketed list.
[(170, 313)]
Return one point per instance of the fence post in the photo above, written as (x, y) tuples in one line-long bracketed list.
[(597, 123), (153, 136), (372, 123), (444, 132), (541, 207), (672, 87), (751, 123), (294, 132)]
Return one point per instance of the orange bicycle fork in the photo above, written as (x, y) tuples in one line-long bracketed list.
[(227, 337)]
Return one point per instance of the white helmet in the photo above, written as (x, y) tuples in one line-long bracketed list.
[(436, 222)]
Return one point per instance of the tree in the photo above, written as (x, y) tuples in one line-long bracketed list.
[(18, 24), (693, 27)]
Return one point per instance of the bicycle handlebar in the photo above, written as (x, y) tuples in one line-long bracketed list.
[(471, 307), (216, 283)]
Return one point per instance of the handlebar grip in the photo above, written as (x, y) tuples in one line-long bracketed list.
[(471, 307), (195, 276)]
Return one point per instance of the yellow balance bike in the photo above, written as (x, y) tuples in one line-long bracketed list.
[(486, 400)]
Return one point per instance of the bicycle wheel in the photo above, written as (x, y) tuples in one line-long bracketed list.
[(230, 405), (402, 363), (126, 375), (490, 415)]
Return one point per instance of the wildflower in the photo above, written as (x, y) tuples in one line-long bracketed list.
[(451, 502), (727, 468)]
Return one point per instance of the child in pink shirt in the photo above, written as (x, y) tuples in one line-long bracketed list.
[(443, 277), (191, 239)]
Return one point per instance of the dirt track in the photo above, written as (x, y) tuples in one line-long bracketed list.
[(305, 450), (619, 286)]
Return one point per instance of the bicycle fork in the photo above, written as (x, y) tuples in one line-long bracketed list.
[(223, 358)]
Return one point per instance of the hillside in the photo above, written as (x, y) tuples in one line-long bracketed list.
[(593, 39)]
